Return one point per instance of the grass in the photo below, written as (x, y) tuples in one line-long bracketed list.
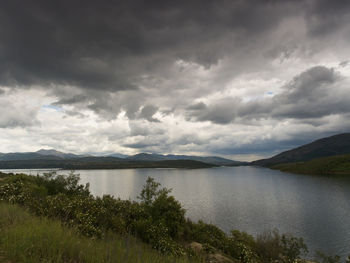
[(338, 165), (27, 238)]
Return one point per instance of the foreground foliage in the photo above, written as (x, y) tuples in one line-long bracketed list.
[(157, 219), (30, 239)]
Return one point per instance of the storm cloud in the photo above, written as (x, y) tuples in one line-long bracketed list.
[(199, 71)]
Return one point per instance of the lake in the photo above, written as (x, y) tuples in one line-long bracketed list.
[(250, 199)]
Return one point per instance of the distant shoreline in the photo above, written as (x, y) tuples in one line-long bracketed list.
[(101, 164)]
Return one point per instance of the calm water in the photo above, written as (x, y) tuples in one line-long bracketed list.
[(247, 198)]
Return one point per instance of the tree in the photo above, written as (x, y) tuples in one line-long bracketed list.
[(151, 191), (163, 208)]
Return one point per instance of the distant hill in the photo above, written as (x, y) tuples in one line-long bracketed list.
[(53, 152), (118, 155), (146, 157), (58, 159), (24, 156), (208, 159), (46, 154), (333, 165), (330, 146)]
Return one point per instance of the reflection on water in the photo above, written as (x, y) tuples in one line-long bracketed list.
[(247, 198)]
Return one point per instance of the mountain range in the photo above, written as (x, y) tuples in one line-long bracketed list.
[(326, 147), (53, 158), (208, 159)]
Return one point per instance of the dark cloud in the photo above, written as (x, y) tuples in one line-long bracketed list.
[(222, 112), (326, 17), (310, 94), (75, 113), (72, 100), (110, 46), (140, 145), (107, 45), (147, 113)]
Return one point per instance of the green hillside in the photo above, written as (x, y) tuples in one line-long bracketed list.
[(330, 146), (335, 165)]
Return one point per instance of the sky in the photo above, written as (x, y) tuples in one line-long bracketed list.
[(238, 79)]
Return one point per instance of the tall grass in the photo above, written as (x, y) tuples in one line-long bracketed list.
[(30, 239)]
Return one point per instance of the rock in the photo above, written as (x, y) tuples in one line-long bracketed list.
[(196, 247), (210, 258)]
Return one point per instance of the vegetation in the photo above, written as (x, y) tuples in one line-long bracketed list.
[(84, 228), (31, 239), (335, 165), (327, 259)]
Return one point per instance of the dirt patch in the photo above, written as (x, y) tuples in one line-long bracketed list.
[(3, 259), (211, 258)]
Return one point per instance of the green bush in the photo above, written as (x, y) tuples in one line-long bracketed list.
[(206, 233), (271, 246), (242, 246), (322, 258), (56, 183), (164, 219)]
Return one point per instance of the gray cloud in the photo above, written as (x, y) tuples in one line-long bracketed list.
[(197, 106), (222, 112), (311, 94), (140, 145), (344, 63), (147, 113), (141, 128), (317, 92), (17, 121), (325, 17), (72, 100), (75, 113), (17, 117), (174, 76), (105, 46)]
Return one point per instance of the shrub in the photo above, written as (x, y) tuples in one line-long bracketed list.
[(57, 183), (322, 258), (271, 246), (242, 246), (206, 233)]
